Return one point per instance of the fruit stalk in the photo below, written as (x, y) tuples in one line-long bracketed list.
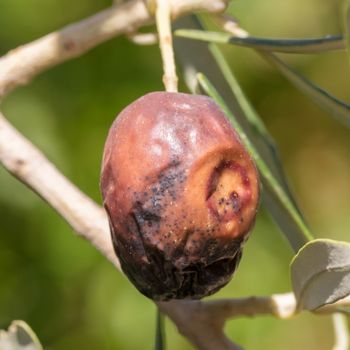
[(163, 21)]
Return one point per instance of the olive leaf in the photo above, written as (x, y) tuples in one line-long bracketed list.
[(197, 56), (271, 184), (19, 337), (320, 273), (337, 108), (254, 120), (305, 46)]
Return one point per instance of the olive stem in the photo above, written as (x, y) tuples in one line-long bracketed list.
[(19, 66), (163, 21), (23, 160)]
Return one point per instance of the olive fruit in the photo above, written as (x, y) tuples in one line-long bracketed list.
[(181, 193)]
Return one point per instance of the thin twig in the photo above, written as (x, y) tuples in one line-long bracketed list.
[(230, 25), (282, 306), (198, 325), (163, 20), (21, 65), (21, 158), (202, 322)]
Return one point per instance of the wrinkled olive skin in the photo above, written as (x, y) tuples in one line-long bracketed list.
[(181, 193)]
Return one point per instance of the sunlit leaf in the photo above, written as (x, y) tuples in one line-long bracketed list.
[(320, 273), (19, 337), (307, 46)]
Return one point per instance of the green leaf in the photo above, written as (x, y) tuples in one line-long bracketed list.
[(320, 273), (19, 337), (339, 109), (197, 56), (270, 183), (270, 154), (305, 46)]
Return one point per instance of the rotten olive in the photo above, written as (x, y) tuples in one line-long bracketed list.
[(181, 193)]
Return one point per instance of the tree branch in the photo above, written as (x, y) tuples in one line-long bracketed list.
[(197, 324), (21, 158), (282, 306), (203, 322), (19, 66)]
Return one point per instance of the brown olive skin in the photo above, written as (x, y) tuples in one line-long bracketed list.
[(181, 193)]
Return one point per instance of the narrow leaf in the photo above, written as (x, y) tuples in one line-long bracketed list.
[(250, 113), (19, 337), (305, 46), (339, 109), (269, 181), (196, 56), (320, 273), (254, 120)]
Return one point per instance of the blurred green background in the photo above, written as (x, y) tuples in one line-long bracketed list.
[(71, 296)]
